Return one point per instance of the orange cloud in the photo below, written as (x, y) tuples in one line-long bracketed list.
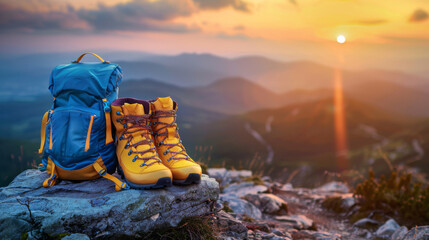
[(134, 15), (419, 15)]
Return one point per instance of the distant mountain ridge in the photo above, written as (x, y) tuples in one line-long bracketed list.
[(236, 95), (192, 70), (304, 134)]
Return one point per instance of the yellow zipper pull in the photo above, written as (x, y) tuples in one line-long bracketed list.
[(88, 134)]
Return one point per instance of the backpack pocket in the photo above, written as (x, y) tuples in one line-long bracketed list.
[(75, 134)]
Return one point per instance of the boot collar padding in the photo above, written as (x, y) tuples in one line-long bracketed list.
[(122, 101)]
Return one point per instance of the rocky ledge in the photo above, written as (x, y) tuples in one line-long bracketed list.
[(95, 209), (274, 211)]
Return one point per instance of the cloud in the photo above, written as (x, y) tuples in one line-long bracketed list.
[(370, 21), (134, 15), (239, 5), (293, 2), (239, 28), (140, 15), (24, 20), (239, 36), (407, 40), (418, 15)]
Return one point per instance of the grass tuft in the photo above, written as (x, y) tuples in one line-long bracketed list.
[(396, 196), (189, 228)]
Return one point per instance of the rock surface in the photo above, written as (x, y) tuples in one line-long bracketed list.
[(334, 187), (399, 233), (244, 188), (231, 227), (317, 235), (225, 177), (95, 209), (240, 206), (417, 233), (366, 223), (76, 236), (268, 203), (297, 221), (387, 229)]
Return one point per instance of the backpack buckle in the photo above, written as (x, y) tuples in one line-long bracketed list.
[(102, 172), (106, 106)]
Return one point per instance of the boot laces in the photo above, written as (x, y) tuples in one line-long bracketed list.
[(163, 132), (139, 124)]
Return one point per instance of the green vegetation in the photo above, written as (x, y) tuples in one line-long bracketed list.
[(226, 208), (188, 228), (255, 179), (204, 167), (24, 235), (334, 204), (397, 196), (248, 219), (16, 156)]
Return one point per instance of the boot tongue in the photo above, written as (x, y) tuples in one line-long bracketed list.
[(133, 109), (165, 104), (137, 109)]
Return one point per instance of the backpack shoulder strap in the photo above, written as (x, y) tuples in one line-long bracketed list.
[(43, 131), (119, 185), (52, 180)]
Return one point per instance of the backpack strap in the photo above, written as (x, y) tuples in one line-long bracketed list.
[(109, 138), (52, 180), (43, 132), (119, 185)]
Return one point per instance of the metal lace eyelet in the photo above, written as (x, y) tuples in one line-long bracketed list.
[(127, 145), (118, 120), (118, 113), (129, 153), (135, 158), (143, 164), (125, 125), (154, 123), (167, 151)]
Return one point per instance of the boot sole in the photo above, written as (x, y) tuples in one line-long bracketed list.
[(192, 178), (161, 183)]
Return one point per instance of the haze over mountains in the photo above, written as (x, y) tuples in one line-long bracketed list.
[(224, 102), (29, 74)]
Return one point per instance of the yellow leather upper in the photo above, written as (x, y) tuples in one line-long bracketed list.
[(133, 171), (182, 167)]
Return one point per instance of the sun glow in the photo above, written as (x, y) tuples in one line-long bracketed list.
[(341, 39), (340, 121)]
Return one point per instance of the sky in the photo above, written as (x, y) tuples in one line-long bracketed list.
[(390, 34)]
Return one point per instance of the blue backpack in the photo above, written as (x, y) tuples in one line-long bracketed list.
[(76, 133)]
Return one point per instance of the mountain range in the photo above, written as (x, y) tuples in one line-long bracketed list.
[(246, 110), (28, 75)]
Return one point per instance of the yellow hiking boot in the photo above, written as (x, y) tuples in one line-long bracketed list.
[(168, 144), (138, 161)]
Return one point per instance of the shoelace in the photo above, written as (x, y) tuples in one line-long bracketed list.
[(139, 123), (171, 113)]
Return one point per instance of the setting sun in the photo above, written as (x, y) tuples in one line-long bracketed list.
[(341, 39)]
